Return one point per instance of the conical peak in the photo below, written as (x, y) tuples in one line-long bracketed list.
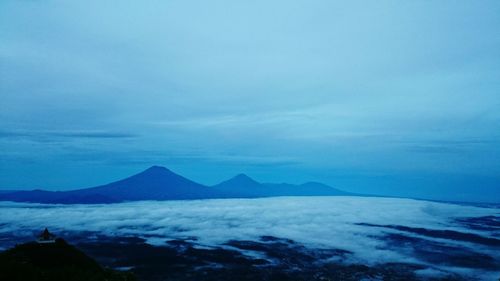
[(157, 169), (243, 178)]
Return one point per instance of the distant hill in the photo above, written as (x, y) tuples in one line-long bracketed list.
[(239, 186), (159, 183), (7, 191), (53, 262), (246, 187)]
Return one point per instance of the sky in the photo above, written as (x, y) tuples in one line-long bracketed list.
[(385, 97)]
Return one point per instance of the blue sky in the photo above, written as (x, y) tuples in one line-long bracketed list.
[(388, 97)]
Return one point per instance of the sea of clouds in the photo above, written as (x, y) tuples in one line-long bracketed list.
[(317, 222)]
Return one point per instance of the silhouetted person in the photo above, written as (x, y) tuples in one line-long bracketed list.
[(46, 237)]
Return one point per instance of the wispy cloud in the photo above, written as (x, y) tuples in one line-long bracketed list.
[(433, 149), (93, 134), (452, 145), (38, 135), (241, 120)]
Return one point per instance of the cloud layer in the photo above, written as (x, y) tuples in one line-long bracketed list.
[(331, 222)]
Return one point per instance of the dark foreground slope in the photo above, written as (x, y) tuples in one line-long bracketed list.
[(159, 183), (53, 262)]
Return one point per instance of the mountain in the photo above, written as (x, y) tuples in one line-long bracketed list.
[(155, 183), (159, 183), (7, 191), (243, 186), (306, 189)]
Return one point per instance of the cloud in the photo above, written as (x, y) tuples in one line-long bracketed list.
[(44, 135), (435, 146), (433, 149), (331, 222), (93, 134), (12, 134)]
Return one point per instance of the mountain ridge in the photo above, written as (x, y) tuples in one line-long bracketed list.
[(160, 183)]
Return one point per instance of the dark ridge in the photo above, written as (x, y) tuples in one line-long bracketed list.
[(160, 183), (53, 262)]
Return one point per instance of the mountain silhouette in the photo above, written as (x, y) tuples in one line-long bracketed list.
[(242, 180), (241, 186), (159, 183), (155, 183)]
